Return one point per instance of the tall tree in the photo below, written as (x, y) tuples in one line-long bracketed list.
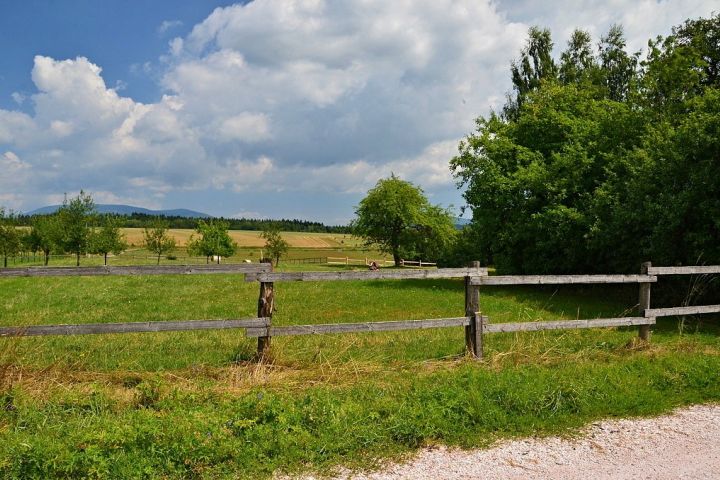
[(214, 240), (533, 67), (618, 68), (76, 216), (157, 238), (275, 245), (109, 238), (577, 62), (10, 242), (396, 217)]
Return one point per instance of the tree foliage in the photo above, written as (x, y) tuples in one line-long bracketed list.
[(76, 216), (157, 238), (10, 239), (45, 235), (109, 239), (396, 217), (275, 245), (214, 240), (608, 165)]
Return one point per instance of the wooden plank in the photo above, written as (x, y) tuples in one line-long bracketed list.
[(266, 306), (366, 275), (364, 327), (246, 268), (566, 324), (560, 279), (690, 270), (674, 311), (132, 327), (644, 303), (472, 306)]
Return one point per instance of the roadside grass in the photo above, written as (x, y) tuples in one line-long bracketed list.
[(194, 405)]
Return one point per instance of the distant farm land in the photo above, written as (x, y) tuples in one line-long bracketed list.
[(247, 238)]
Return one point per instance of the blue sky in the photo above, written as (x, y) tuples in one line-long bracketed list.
[(270, 109)]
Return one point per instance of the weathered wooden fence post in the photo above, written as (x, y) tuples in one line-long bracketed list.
[(472, 305), (266, 305), (644, 302)]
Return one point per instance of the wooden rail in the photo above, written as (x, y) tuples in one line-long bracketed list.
[(560, 279), (674, 311), (691, 270), (252, 324), (246, 268), (567, 324), (365, 275), (362, 327)]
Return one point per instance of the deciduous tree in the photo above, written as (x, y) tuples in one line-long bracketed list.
[(157, 239), (396, 217), (214, 240), (76, 216)]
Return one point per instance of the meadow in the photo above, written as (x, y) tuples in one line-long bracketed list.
[(197, 405)]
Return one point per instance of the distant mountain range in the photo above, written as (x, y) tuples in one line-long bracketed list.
[(128, 210)]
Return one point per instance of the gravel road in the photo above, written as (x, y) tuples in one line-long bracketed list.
[(682, 445)]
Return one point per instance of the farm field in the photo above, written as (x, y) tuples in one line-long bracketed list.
[(251, 238), (195, 405)]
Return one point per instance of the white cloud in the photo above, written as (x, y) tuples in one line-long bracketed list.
[(168, 25)]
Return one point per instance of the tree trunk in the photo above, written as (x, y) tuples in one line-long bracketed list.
[(396, 257), (47, 257), (5, 261), (207, 260), (159, 258), (106, 259), (218, 257), (77, 256)]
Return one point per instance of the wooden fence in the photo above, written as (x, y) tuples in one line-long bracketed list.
[(475, 324)]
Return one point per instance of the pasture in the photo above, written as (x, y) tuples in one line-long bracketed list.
[(194, 404)]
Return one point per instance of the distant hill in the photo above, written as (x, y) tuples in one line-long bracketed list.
[(128, 210), (461, 222)]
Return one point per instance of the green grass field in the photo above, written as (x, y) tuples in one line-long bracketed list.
[(195, 405)]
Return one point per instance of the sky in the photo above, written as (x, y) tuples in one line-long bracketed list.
[(269, 108)]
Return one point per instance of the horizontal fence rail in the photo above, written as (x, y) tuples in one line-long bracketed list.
[(246, 268), (560, 279), (364, 327), (690, 270), (365, 275), (566, 324), (133, 327), (675, 311)]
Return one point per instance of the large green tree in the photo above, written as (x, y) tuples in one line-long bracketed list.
[(214, 240), (608, 165), (76, 217), (396, 217)]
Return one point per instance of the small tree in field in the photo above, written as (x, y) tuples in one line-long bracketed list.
[(275, 245), (109, 239), (396, 217), (75, 217), (10, 239), (214, 240), (157, 239), (45, 235)]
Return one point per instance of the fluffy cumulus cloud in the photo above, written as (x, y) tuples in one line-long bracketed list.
[(294, 95)]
